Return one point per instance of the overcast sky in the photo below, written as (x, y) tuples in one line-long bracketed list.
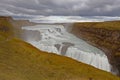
[(60, 7)]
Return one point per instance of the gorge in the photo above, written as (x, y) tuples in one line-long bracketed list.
[(20, 60), (56, 39)]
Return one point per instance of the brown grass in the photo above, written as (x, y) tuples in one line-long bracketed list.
[(21, 61)]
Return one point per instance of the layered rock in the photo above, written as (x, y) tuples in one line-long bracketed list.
[(105, 36)]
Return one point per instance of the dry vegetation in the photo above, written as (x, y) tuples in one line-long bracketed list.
[(6, 29), (110, 25), (21, 61)]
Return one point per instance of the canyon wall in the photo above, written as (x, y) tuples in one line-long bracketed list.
[(20, 60), (105, 36)]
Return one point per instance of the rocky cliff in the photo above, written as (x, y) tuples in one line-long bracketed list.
[(105, 36), (21, 61), (14, 25)]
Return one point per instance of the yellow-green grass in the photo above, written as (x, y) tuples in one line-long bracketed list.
[(6, 28), (22, 61), (110, 25)]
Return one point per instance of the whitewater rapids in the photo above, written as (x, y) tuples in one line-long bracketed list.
[(56, 39)]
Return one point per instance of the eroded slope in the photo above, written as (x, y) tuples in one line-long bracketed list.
[(104, 35), (21, 61)]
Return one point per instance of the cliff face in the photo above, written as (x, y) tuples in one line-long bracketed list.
[(105, 36), (21, 61)]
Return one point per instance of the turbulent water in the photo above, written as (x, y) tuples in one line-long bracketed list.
[(56, 39)]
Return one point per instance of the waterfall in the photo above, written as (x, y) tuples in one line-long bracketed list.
[(56, 39)]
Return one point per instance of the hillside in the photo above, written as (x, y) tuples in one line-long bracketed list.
[(6, 32), (104, 35), (21, 61)]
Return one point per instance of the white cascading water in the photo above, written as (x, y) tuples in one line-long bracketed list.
[(56, 39)]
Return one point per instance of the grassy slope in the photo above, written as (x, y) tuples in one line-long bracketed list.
[(6, 29), (21, 61), (110, 25)]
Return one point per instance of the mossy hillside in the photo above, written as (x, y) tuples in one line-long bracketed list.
[(6, 28), (22, 61)]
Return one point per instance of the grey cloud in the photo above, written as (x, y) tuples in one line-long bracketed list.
[(61, 7)]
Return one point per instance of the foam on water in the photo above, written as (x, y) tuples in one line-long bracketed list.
[(56, 39)]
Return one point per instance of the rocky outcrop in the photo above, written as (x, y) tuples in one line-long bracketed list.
[(106, 37)]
